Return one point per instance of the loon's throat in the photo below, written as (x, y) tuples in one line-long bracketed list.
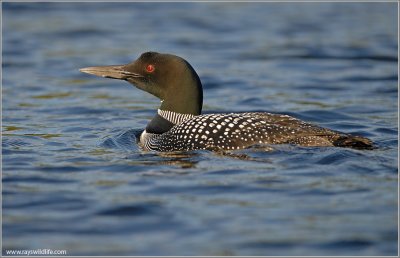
[(164, 120), (173, 117), (158, 125)]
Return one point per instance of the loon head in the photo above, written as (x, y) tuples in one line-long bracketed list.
[(168, 77)]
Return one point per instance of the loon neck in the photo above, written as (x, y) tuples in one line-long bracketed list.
[(183, 94), (164, 120), (173, 117)]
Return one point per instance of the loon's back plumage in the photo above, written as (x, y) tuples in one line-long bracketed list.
[(179, 125), (241, 130)]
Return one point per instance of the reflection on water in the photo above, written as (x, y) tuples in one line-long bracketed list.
[(74, 178)]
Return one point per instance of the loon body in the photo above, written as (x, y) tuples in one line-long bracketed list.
[(179, 125)]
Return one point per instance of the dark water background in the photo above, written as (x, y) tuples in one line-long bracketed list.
[(74, 179)]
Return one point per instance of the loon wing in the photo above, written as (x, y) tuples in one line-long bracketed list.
[(295, 131)]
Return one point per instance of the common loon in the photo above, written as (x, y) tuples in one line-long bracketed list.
[(180, 126)]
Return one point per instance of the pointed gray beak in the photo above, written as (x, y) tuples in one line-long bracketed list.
[(110, 71)]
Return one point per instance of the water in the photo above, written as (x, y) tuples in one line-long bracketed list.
[(75, 180)]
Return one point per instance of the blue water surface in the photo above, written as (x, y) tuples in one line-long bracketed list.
[(74, 179)]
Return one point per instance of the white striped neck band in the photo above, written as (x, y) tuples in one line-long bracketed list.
[(175, 118)]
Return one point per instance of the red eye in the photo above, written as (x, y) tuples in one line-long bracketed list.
[(150, 68)]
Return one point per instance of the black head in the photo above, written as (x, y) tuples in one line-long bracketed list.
[(168, 77)]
